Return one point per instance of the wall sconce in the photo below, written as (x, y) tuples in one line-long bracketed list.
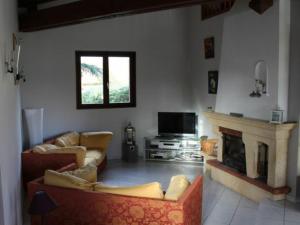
[(12, 61), (261, 76)]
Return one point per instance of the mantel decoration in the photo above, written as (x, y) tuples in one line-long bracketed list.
[(261, 76), (12, 60), (277, 116)]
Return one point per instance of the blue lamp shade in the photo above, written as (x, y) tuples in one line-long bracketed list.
[(41, 204)]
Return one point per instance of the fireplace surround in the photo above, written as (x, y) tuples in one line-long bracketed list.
[(265, 149)]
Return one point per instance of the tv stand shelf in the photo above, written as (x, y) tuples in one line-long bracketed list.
[(173, 149)]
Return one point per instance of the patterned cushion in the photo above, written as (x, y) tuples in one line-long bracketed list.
[(88, 173), (177, 186), (66, 180), (69, 139), (150, 190)]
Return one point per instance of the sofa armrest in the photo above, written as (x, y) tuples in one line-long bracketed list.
[(96, 140), (190, 201), (79, 151), (34, 164)]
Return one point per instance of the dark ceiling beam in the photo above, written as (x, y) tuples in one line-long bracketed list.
[(86, 10), (26, 3), (260, 6), (216, 8)]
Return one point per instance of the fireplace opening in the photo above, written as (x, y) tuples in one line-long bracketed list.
[(262, 165), (234, 155)]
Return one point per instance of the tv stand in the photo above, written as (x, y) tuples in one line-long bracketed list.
[(173, 149)]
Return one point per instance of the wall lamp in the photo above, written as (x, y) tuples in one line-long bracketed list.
[(12, 61)]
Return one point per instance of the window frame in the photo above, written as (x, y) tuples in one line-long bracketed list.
[(106, 55)]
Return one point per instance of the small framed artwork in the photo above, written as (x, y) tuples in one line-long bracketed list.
[(277, 116), (209, 47), (213, 78)]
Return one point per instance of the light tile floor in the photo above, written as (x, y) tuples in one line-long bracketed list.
[(221, 206)]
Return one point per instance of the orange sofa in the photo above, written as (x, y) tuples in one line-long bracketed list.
[(78, 207), (35, 164)]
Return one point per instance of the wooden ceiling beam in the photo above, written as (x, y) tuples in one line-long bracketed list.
[(260, 6), (216, 8), (86, 10), (28, 3)]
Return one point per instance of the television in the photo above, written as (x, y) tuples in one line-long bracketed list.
[(177, 124)]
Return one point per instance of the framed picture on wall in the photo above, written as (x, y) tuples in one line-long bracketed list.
[(213, 79), (209, 47)]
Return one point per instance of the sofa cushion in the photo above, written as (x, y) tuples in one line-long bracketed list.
[(66, 180), (69, 139), (44, 148), (96, 155), (96, 140), (88, 173), (150, 190), (90, 161), (177, 187)]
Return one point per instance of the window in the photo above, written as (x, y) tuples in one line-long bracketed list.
[(105, 79)]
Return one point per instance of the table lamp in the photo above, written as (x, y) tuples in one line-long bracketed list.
[(41, 204)]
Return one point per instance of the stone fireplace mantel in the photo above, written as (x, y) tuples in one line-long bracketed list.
[(256, 132)]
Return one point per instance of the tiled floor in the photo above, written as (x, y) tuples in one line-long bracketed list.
[(221, 206)]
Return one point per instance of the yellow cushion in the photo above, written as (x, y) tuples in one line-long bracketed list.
[(69, 139), (88, 173), (96, 140), (90, 161), (150, 190), (44, 148), (177, 187), (95, 154), (79, 151), (65, 180)]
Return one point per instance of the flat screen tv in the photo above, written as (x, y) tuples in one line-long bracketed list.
[(177, 124)]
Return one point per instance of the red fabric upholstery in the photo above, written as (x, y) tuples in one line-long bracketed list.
[(34, 165), (78, 207)]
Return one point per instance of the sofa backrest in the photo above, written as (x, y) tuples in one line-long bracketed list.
[(104, 207)]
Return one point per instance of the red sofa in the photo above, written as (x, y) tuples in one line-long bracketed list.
[(80, 207), (34, 164)]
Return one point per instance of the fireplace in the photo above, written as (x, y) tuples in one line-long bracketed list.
[(251, 156), (234, 155)]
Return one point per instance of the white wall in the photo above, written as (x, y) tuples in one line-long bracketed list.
[(241, 38), (198, 66), (294, 106), (160, 43), (247, 38), (171, 70), (10, 140)]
